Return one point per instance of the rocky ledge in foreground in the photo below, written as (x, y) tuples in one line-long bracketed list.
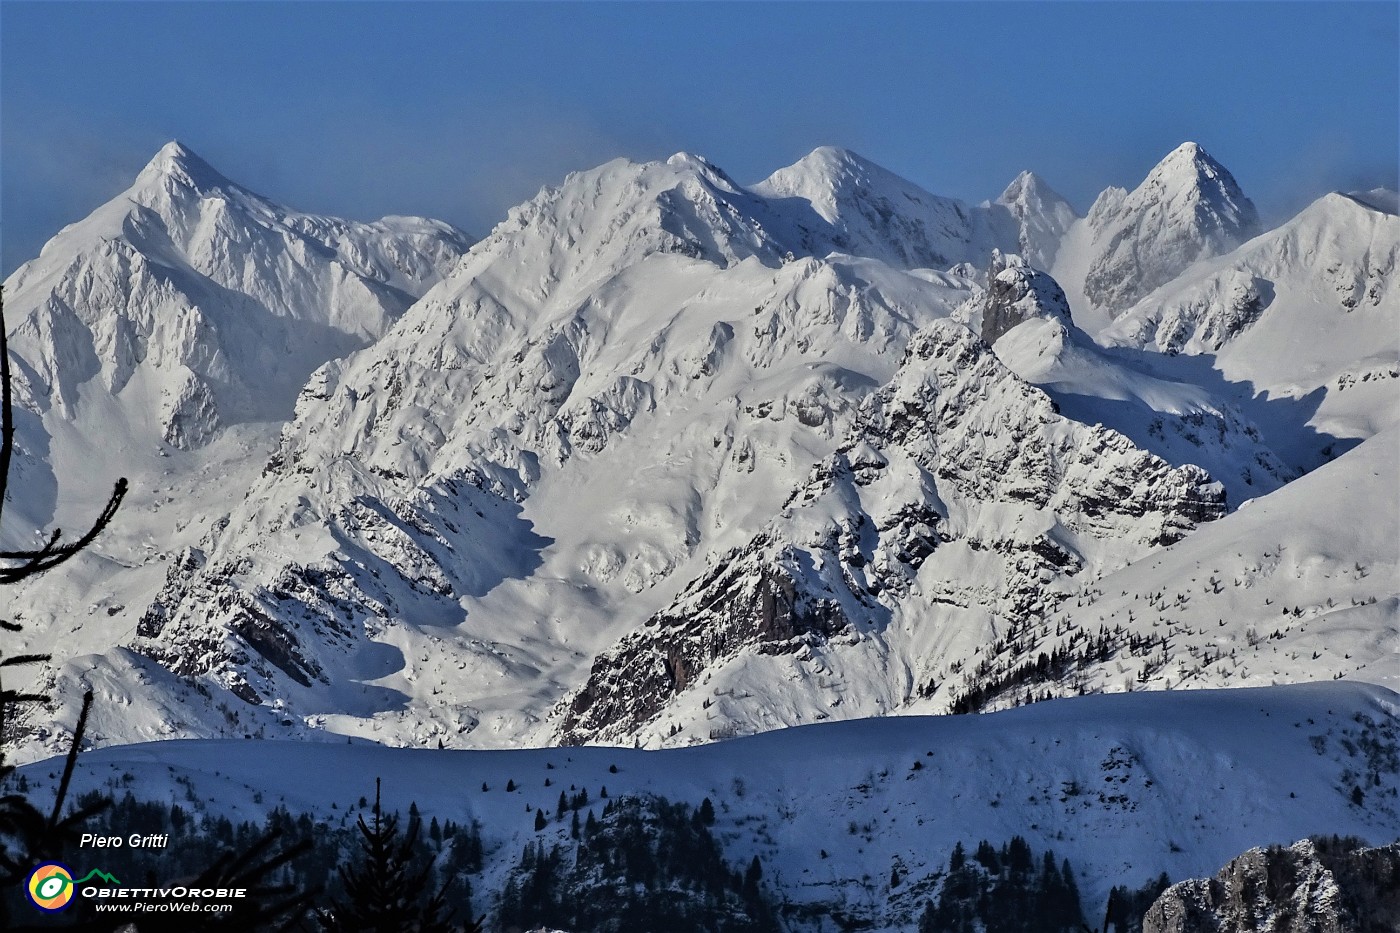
[(1318, 885)]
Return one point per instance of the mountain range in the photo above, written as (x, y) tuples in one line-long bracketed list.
[(665, 458)]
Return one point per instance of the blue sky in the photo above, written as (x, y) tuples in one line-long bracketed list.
[(460, 110)]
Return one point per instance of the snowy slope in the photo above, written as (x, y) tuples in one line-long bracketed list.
[(1125, 787), (1300, 581), (607, 325)]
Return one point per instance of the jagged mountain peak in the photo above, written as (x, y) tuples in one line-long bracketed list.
[(1027, 186), (599, 221), (1016, 293), (178, 163), (1189, 207), (1189, 172), (193, 298), (1042, 215)]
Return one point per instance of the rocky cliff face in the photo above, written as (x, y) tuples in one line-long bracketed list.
[(956, 463), (1016, 293), (1313, 886)]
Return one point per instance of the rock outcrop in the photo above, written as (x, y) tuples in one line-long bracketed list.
[(956, 456), (1314, 886), (1016, 293)]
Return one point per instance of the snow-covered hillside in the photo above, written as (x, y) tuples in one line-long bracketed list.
[(1304, 314), (666, 458), (1125, 787), (1296, 583)]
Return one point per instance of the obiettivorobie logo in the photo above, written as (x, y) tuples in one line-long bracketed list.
[(51, 885)]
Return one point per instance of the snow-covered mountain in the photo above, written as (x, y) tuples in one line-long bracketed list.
[(166, 338), (667, 458), (1189, 207), (1124, 787), (1042, 215), (198, 304), (1305, 311)]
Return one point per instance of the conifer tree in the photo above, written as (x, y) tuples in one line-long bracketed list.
[(385, 891), (27, 835), (707, 812)]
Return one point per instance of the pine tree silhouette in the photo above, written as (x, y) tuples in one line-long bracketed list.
[(27, 836), (19, 565), (385, 891)]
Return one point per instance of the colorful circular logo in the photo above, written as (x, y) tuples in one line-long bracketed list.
[(50, 886)]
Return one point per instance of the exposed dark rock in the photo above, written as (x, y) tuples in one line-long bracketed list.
[(1313, 886), (750, 600), (1016, 293)]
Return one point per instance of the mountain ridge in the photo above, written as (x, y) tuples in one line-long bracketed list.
[(647, 374)]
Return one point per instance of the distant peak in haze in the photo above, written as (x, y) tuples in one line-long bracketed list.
[(831, 178), (1029, 186), (1379, 199), (837, 166), (1042, 215)]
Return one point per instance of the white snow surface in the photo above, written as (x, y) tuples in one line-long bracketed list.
[(1126, 787)]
